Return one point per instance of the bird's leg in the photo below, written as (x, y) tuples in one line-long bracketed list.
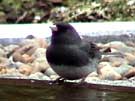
[(82, 80), (59, 80)]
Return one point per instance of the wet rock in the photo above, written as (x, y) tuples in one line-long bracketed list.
[(24, 54), (114, 50), (92, 76), (119, 46), (25, 69), (103, 64), (29, 50), (17, 57), (27, 58), (7, 72), (115, 44), (37, 42), (130, 58), (106, 72), (132, 78), (130, 43), (54, 77), (110, 75), (42, 43), (130, 73), (3, 70), (2, 53), (4, 61), (123, 69), (127, 49), (49, 72), (39, 76), (10, 48), (88, 79), (13, 64), (1, 46), (14, 75), (40, 52), (11, 70), (40, 64), (114, 61), (117, 62)]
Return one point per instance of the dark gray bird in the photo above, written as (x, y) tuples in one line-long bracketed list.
[(69, 56)]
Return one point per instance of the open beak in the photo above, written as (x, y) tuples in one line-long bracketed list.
[(54, 28)]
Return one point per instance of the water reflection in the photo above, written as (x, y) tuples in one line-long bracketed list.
[(61, 93)]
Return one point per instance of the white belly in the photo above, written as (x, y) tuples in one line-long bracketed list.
[(70, 72)]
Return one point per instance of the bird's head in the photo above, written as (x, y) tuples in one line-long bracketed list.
[(59, 28), (64, 33)]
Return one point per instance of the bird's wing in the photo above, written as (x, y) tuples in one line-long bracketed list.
[(67, 55), (91, 49)]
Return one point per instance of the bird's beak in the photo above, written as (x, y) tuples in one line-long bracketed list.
[(54, 28)]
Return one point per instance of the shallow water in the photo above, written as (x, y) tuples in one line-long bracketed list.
[(60, 93)]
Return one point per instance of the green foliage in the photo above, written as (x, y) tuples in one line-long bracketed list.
[(118, 10), (25, 11)]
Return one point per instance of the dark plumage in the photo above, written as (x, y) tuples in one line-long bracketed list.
[(68, 55)]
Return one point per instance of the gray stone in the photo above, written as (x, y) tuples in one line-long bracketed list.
[(50, 72), (39, 76)]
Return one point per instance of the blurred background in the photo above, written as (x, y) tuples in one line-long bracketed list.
[(44, 11)]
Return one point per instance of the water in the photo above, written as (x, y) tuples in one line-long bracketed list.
[(61, 93)]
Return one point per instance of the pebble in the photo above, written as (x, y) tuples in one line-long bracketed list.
[(88, 79), (2, 53), (3, 71), (54, 77), (11, 70), (130, 73), (115, 44), (38, 42), (119, 46), (15, 75), (123, 69), (39, 76), (10, 48), (50, 71), (111, 67), (114, 61), (40, 52), (40, 64), (130, 58), (3, 61), (106, 72), (25, 69), (93, 74)]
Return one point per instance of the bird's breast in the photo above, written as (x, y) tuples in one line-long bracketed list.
[(67, 55)]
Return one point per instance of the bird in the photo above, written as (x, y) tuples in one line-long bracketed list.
[(68, 55)]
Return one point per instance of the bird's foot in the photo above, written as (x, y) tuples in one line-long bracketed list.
[(82, 81), (59, 80)]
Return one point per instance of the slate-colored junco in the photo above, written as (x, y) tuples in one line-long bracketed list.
[(69, 56)]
